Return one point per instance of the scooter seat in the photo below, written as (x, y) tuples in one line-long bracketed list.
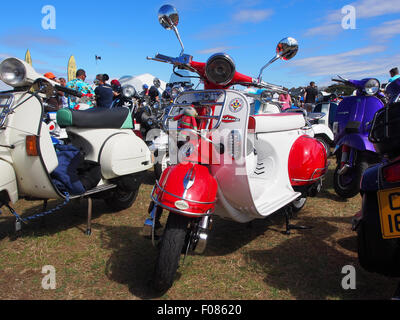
[(276, 122), (96, 118)]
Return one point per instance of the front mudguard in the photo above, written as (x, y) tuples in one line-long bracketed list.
[(8, 183), (186, 189)]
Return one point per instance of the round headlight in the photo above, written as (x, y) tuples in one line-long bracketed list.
[(176, 90), (372, 87), (220, 69), (12, 72), (128, 91)]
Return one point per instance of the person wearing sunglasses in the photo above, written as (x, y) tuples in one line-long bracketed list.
[(80, 85)]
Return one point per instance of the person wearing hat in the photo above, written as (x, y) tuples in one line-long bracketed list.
[(116, 87), (145, 91), (104, 93), (51, 76), (53, 103), (394, 73)]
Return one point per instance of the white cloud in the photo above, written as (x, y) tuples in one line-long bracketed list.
[(348, 63), (387, 30), (215, 50), (364, 9), (329, 29), (253, 16)]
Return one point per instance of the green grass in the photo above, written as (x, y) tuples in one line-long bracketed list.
[(241, 262)]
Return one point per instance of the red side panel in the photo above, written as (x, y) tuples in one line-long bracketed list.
[(307, 161)]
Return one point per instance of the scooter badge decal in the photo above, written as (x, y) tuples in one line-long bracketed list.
[(236, 105), (230, 119)]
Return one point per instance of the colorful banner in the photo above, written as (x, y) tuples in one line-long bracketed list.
[(71, 68), (28, 58)]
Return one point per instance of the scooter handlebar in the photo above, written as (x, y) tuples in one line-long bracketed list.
[(69, 91)]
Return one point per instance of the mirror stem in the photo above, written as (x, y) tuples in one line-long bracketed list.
[(179, 38), (268, 64)]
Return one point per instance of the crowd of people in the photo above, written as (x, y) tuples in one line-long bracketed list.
[(100, 95)]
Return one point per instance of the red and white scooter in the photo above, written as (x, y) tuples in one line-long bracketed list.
[(237, 165)]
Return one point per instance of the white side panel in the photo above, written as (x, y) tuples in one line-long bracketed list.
[(124, 154), (279, 122), (257, 183), (119, 151), (31, 175), (8, 181)]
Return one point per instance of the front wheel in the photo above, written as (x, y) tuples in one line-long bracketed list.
[(172, 243), (347, 185)]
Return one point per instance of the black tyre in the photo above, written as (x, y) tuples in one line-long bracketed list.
[(326, 144), (348, 185), (170, 252), (121, 200), (376, 254), (299, 204)]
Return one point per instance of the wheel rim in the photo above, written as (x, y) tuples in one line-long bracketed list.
[(345, 180)]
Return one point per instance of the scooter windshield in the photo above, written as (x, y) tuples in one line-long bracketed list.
[(186, 78)]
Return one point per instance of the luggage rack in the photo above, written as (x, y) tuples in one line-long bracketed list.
[(6, 101), (199, 103)]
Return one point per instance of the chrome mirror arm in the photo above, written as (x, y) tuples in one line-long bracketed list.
[(277, 57), (179, 39)]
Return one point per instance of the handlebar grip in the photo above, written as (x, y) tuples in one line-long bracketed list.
[(69, 91)]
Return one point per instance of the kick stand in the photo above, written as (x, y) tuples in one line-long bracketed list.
[(89, 221), (289, 227)]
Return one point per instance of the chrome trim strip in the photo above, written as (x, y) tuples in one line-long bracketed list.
[(173, 195), (195, 215)]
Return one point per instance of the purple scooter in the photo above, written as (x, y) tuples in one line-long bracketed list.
[(354, 152)]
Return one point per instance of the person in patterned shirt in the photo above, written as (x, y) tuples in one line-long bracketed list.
[(80, 85)]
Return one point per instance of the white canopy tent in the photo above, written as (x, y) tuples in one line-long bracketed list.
[(138, 81)]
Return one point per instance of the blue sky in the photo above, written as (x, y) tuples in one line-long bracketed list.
[(125, 32)]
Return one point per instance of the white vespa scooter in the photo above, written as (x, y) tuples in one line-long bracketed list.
[(28, 157), (238, 166)]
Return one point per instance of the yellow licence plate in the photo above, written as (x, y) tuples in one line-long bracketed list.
[(389, 210)]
